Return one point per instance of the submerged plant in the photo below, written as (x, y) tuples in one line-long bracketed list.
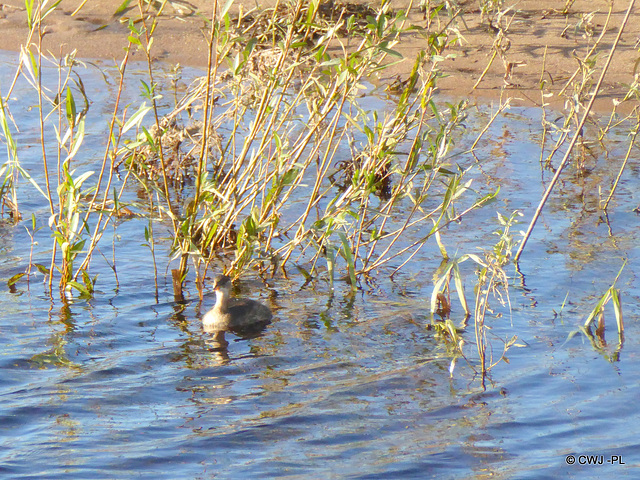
[(492, 285), (597, 317)]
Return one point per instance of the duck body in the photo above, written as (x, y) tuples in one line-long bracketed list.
[(234, 313)]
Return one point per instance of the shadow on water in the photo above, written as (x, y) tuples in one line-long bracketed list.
[(340, 385)]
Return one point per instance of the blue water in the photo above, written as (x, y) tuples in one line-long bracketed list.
[(127, 385)]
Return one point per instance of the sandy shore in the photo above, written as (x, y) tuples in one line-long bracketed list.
[(539, 44)]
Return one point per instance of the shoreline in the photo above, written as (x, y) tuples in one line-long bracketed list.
[(539, 45)]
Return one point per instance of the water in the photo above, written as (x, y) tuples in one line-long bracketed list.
[(127, 385)]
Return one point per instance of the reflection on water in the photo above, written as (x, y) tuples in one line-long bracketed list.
[(128, 385)]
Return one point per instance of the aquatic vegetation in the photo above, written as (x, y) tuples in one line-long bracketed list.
[(277, 129), (582, 93), (597, 317), (273, 128), (274, 161), (492, 285), (9, 170), (80, 203)]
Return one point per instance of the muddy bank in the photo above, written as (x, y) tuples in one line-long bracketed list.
[(532, 43)]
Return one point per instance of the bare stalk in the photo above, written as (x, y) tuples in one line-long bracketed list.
[(577, 133)]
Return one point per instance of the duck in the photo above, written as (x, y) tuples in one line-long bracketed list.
[(234, 313)]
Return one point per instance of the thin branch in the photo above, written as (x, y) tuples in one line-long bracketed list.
[(577, 133)]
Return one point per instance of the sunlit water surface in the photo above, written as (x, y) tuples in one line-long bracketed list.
[(127, 385)]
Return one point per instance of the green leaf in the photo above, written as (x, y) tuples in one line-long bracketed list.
[(5, 128), (15, 278), (123, 6), (134, 40), (331, 260), (307, 276), (77, 140), (77, 183), (26, 175), (136, 118), (443, 250), (89, 282), (80, 288), (617, 309), (71, 109), (331, 63), (348, 256), (150, 140), (78, 246), (457, 277), (391, 52), (437, 286), (29, 5), (41, 268), (598, 308), (226, 8)]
